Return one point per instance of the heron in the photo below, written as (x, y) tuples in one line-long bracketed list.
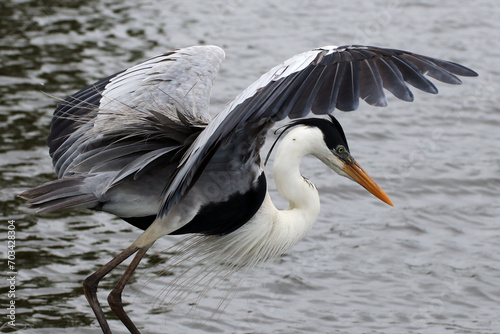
[(143, 145)]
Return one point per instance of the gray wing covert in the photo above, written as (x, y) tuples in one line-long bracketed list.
[(128, 123), (164, 100)]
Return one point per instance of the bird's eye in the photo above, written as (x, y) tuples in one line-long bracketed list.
[(340, 149)]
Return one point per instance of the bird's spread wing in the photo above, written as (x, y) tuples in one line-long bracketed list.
[(127, 124), (319, 80), (145, 111)]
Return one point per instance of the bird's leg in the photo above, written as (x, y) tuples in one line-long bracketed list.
[(115, 297), (90, 285)]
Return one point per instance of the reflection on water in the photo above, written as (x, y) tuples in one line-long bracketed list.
[(427, 266)]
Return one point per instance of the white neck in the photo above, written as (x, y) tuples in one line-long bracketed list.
[(301, 193)]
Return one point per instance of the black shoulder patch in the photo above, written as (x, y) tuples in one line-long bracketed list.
[(226, 217)]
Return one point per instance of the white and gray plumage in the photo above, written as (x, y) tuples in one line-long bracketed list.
[(141, 144)]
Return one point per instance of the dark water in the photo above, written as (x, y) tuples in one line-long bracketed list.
[(429, 265)]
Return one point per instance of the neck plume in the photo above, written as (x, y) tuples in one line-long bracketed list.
[(270, 232)]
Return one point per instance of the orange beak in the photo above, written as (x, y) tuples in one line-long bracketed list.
[(354, 170)]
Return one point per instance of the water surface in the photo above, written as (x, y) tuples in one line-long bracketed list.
[(429, 265)]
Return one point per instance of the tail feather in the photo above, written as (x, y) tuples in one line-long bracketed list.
[(59, 194)]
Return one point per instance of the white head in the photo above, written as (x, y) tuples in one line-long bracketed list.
[(326, 141)]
